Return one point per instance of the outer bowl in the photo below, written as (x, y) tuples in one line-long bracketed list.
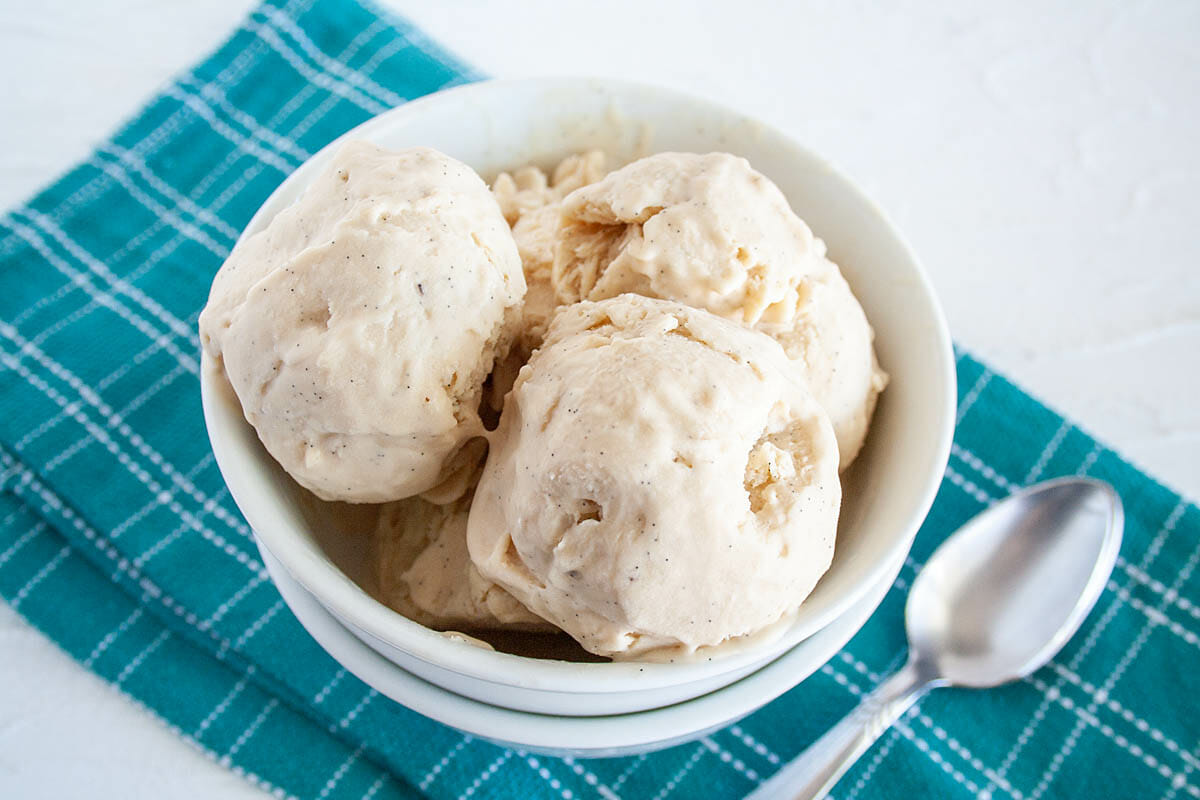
[(501, 124)]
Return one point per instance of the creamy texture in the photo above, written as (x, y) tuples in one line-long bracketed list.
[(833, 341), (358, 328), (535, 234), (529, 188), (661, 481), (424, 572), (530, 201), (712, 233)]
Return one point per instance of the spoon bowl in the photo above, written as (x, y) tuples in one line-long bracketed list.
[(1006, 592)]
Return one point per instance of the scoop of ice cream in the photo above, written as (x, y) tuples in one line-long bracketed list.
[(661, 481), (704, 230), (357, 329), (711, 232), (423, 571)]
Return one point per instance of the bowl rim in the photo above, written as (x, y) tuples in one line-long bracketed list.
[(349, 602)]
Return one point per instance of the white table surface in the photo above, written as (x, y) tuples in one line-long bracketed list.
[(1040, 156)]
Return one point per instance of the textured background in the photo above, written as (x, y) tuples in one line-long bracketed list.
[(1038, 157)]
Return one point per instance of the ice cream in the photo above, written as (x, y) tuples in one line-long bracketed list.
[(711, 232), (662, 366), (531, 202), (423, 571), (661, 481), (534, 234), (343, 327), (832, 340), (529, 188)]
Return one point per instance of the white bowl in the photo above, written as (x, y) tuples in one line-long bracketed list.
[(580, 737), (500, 124)]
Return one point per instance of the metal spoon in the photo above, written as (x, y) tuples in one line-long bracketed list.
[(995, 602)]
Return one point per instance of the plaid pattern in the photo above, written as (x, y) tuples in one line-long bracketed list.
[(119, 541)]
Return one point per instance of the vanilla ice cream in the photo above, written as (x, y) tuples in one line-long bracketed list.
[(423, 571), (833, 341), (531, 202), (535, 234), (358, 328), (712, 233), (661, 481), (529, 188)]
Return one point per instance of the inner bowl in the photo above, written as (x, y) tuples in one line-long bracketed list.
[(498, 125)]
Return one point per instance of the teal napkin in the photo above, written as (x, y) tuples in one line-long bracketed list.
[(118, 539)]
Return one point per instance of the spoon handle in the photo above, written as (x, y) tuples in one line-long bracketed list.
[(814, 772)]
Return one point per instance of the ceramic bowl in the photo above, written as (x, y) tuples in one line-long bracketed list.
[(888, 490), (578, 736)]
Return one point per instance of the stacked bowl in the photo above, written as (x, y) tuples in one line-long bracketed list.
[(317, 552)]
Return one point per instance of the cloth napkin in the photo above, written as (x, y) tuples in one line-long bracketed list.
[(119, 541)]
